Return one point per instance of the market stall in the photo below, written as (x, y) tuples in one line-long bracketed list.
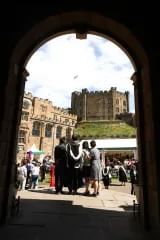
[(34, 152)]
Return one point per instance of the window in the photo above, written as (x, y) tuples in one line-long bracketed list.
[(48, 130), (20, 148), (124, 110), (58, 132), (117, 109), (22, 136), (117, 101), (124, 103), (25, 116), (25, 104), (43, 108), (66, 121), (36, 129)]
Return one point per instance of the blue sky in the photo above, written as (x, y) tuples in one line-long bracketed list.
[(66, 64)]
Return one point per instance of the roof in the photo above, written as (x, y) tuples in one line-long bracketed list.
[(115, 143)]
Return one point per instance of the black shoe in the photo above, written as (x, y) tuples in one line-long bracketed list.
[(74, 192), (94, 195), (87, 193)]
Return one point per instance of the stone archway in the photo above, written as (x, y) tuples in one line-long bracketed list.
[(83, 23)]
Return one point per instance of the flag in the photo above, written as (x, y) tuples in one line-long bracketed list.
[(76, 76)]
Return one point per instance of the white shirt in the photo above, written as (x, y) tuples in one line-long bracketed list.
[(22, 171), (35, 170)]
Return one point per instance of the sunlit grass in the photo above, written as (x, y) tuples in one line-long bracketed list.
[(105, 130)]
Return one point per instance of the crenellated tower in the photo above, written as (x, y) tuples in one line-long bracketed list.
[(99, 105)]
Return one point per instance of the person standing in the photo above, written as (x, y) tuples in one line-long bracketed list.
[(35, 175), (60, 156), (43, 170), (96, 169), (86, 165), (106, 175), (29, 167), (52, 175), (133, 177), (22, 175), (74, 152), (122, 174)]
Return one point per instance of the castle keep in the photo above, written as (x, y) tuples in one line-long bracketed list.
[(42, 124), (99, 105)]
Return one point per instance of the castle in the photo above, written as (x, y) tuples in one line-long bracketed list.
[(99, 105), (42, 124)]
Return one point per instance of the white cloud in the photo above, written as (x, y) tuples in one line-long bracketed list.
[(99, 64)]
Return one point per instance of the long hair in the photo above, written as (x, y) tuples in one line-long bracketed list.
[(85, 145)]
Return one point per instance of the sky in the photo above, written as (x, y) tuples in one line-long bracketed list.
[(66, 64)]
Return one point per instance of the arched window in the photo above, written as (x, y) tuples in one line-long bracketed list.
[(22, 136), (36, 129), (117, 101), (58, 132), (124, 103), (68, 133), (48, 130)]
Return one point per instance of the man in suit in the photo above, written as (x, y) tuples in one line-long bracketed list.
[(60, 156)]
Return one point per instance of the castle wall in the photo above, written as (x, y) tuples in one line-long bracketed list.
[(77, 104), (95, 107), (99, 105)]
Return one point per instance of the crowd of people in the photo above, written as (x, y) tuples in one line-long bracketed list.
[(76, 165), (28, 174), (125, 171)]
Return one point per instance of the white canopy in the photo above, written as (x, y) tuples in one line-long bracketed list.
[(34, 150), (115, 143)]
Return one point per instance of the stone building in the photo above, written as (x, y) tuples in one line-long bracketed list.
[(99, 105), (129, 118), (42, 124)]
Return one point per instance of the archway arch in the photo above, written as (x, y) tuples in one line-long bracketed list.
[(82, 23)]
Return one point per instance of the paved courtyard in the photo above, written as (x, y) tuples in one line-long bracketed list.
[(46, 215)]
